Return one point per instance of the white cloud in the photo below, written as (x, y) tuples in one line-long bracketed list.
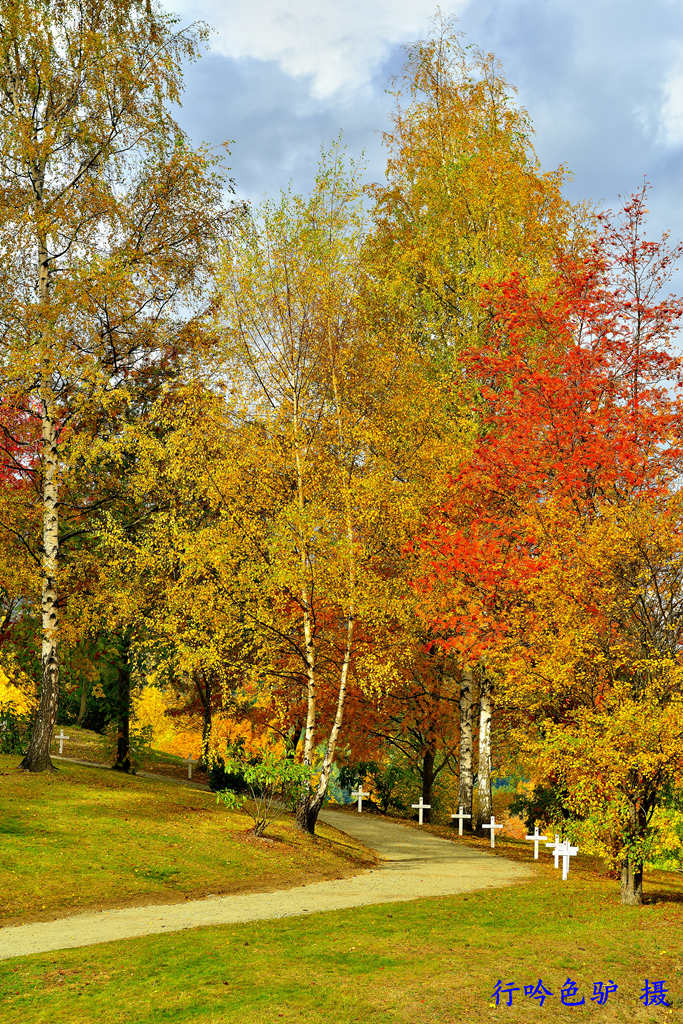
[(338, 43), (671, 111)]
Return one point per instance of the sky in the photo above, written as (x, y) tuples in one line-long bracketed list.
[(602, 81)]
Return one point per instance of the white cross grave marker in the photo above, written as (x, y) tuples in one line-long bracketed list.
[(189, 762), (536, 838), (360, 794), (492, 825), (420, 808), (61, 739), (460, 815), (566, 852), (555, 847)]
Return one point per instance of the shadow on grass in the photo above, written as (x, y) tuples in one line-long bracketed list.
[(662, 896)]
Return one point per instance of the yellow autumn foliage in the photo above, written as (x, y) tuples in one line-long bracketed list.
[(17, 693), (244, 734), (152, 708)]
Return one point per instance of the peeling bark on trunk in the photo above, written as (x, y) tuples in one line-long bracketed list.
[(37, 757), (485, 801), (305, 596), (307, 815), (466, 781), (632, 883)]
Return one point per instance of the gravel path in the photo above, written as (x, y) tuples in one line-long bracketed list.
[(414, 865)]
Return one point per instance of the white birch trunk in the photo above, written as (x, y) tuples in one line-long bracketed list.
[(485, 802), (309, 809), (37, 756), (466, 776), (305, 597)]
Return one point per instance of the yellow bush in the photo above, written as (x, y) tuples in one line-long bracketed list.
[(17, 693)]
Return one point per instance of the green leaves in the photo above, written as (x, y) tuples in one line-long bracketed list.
[(274, 782)]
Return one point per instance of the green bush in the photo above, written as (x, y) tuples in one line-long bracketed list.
[(274, 784), (546, 803), (220, 778), (12, 733)]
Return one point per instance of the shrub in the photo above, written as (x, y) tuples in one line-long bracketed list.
[(545, 803), (273, 782)]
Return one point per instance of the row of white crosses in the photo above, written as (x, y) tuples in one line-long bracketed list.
[(359, 794), (563, 849), (560, 848), (492, 824)]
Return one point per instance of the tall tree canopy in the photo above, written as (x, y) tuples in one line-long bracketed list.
[(557, 561), (107, 220)]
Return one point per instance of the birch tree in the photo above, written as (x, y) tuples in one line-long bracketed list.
[(465, 203), (107, 217), (301, 360)]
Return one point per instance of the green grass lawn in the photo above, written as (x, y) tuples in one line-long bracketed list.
[(427, 962), (85, 838)]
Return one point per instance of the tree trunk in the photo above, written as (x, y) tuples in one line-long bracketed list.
[(427, 782), (123, 763), (206, 728), (632, 883), (307, 813), (37, 757), (205, 693), (309, 807), (466, 783), (84, 702), (485, 802)]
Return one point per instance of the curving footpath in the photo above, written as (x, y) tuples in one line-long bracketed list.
[(414, 865)]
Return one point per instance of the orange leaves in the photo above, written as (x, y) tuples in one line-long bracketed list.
[(558, 556)]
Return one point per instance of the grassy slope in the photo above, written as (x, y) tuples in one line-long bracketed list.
[(427, 962), (86, 745), (85, 838)]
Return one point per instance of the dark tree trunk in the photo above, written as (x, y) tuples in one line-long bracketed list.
[(307, 814), (632, 883), (123, 763), (204, 690), (427, 782), (84, 703), (37, 757), (206, 726)]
